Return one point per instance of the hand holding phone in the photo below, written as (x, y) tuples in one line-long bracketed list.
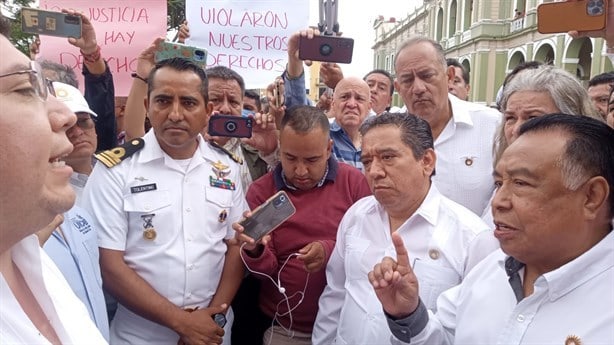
[(268, 216)]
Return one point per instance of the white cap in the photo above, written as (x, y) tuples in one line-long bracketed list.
[(72, 97)]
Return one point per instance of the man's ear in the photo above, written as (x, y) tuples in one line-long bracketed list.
[(428, 161), (596, 193), (451, 73)]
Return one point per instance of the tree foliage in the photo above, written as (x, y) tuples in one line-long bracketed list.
[(20, 39), (176, 13)]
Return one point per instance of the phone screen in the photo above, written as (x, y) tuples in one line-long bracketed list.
[(268, 216)]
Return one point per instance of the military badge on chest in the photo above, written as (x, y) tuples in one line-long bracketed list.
[(219, 180), (149, 232)]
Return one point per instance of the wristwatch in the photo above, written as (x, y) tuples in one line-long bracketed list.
[(220, 319)]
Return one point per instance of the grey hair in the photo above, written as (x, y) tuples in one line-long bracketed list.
[(441, 54), (566, 91), (588, 151), (64, 73)]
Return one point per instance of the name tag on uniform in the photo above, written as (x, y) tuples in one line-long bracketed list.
[(143, 188)]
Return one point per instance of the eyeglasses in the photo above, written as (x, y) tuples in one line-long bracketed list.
[(43, 87)]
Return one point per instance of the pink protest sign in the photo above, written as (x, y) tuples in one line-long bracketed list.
[(123, 30)]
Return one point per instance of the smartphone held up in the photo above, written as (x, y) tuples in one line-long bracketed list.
[(326, 48), (582, 15), (167, 50), (41, 22), (230, 126)]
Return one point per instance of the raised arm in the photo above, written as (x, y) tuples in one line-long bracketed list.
[(99, 88), (134, 118)]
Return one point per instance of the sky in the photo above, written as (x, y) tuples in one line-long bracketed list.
[(356, 21)]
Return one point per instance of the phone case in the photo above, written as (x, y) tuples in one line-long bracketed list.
[(230, 126), (167, 50), (268, 216), (50, 23), (566, 16), (326, 48)]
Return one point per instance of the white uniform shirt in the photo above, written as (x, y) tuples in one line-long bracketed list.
[(437, 237), (67, 314), (463, 171), (575, 300), (191, 219)]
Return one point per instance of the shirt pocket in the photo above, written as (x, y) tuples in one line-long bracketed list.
[(149, 210), (469, 169), (219, 202), (434, 279), (354, 258)]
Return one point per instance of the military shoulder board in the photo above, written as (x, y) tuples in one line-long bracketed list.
[(232, 156), (112, 157)]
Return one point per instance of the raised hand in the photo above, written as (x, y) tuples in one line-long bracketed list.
[(184, 32), (264, 134), (87, 43), (146, 59), (330, 74), (395, 283)]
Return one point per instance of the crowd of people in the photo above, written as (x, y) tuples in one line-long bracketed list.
[(441, 222)]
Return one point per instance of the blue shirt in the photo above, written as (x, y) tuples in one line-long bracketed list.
[(343, 147), (294, 91), (75, 252)]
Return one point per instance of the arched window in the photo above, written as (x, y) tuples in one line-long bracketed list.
[(452, 21), (467, 16)]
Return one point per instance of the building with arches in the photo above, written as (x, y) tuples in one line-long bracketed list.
[(489, 38)]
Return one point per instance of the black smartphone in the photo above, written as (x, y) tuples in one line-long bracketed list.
[(230, 126), (268, 216), (326, 48), (41, 22), (167, 50)]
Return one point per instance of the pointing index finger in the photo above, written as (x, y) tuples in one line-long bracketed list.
[(399, 246)]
